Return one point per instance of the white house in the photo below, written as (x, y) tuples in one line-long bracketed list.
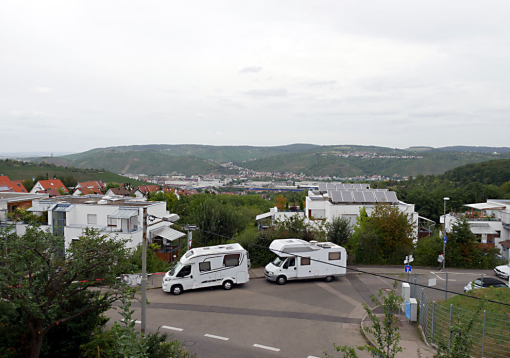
[(69, 216), (337, 200), (10, 201), (490, 221)]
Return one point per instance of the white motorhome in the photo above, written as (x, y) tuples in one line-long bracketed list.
[(298, 259), (223, 265)]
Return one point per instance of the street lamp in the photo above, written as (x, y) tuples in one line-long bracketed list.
[(444, 230)]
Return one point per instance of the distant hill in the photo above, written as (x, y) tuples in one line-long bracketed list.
[(21, 171), (462, 148), (332, 160), (495, 172)]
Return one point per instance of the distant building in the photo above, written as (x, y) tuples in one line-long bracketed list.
[(43, 185), (121, 217), (89, 187), (6, 185)]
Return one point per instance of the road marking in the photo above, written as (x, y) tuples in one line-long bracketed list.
[(312, 357), (172, 328), (436, 274), (217, 337), (266, 347)]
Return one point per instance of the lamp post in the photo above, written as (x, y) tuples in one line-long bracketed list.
[(444, 230)]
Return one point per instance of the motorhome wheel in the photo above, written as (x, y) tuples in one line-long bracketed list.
[(328, 278), (227, 285), (281, 280), (177, 290)]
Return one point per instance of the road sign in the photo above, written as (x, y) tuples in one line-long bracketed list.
[(407, 268), (445, 239)]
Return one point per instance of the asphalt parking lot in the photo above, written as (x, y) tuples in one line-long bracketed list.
[(299, 319)]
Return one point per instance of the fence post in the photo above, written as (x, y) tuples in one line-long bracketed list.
[(450, 326), (433, 319), (483, 333)]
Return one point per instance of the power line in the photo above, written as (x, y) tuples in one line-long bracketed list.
[(353, 269)]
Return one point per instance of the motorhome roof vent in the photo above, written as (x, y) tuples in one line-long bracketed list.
[(89, 202), (313, 242), (230, 248), (206, 248), (102, 202), (290, 241)]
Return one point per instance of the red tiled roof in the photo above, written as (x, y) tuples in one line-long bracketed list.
[(15, 186), (148, 188), (53, 184), (93, 184)]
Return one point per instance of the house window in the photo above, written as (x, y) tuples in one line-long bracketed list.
[(334, 256), (305, 261), (231, 260), (204, 266), (498, 233), (92, 219)]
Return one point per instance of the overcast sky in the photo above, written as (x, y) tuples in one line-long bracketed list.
[(76, 75)]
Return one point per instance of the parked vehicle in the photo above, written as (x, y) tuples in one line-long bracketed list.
[(298, 259), (222, 265), (502, 271), (487, 282)]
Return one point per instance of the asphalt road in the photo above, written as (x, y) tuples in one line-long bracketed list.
[(262, 319)]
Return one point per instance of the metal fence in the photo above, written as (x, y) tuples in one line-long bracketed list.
[(490, 333)]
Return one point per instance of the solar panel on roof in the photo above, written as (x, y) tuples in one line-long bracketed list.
[(336, 197), (369, 196), (322, 187), (358, 197), (391, 196), (347, 196), (340, 187), (330, 186), (380, 197)]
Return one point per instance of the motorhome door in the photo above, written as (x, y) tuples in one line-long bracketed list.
[(185, 277), (290, 268)]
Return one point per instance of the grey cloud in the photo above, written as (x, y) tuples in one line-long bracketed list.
[(251, 69), (272, 92)]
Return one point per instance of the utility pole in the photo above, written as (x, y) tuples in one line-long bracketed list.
[(189, 229), (144, 271), (444, 229)]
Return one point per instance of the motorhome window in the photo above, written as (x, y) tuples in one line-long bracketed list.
[(292, 262), (305, 261), (188, 254), (231, 260), (175, 269), (204, 266), (278, 261), (185, 271), (334, 256)]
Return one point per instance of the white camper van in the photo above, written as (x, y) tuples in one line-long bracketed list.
[(296, 260), (224, 265)]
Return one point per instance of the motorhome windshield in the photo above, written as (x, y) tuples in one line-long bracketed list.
[(175, 269), (278, 261)]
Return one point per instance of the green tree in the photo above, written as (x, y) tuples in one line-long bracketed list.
[(339, 230), (39, 277), (112, 185)]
